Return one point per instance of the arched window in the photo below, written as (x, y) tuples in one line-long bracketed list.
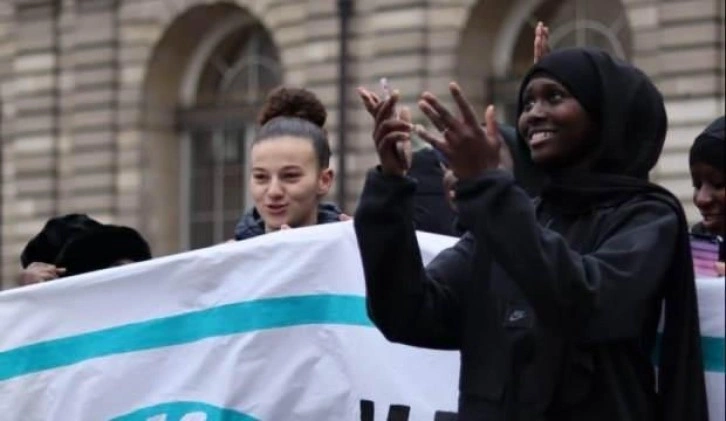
[(217, 130)]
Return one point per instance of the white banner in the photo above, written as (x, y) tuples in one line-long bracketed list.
[(270, 329), (273, 328), (711, 294)]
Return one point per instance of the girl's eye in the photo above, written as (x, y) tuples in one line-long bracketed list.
[(291, 176), (259, 177)]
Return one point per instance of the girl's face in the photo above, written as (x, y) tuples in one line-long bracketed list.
[(709, 196), (558, 131), (287, 182)]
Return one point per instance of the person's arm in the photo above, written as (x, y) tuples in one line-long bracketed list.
[(605, 293), (408, 303)]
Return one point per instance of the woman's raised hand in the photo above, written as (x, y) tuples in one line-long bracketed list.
[(470, 148), (391, 132), (541, 41)]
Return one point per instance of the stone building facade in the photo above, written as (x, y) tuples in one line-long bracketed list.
[(139, 112)]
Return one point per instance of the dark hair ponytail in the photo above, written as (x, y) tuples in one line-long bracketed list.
[(295, 112)]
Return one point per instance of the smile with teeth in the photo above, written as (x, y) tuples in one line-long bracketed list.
[(541, 135)]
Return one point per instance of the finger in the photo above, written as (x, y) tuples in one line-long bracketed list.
[(439, 143), (40, 266), (374, 96), (391, 139), (492, 127), (405, 115), (343, 217), (284, 227), (445, 117), (467, 111), (403, 149), (545, 41), (432, 115), (60, 271), (367, 101), (385, 111), (537, 42), (405, 153), (389, 126)]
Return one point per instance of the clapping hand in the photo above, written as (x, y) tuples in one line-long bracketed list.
[(469, 148), (391, 133)]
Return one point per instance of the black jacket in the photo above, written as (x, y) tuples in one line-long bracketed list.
[(579, 310), (553, 306), (432, 211)]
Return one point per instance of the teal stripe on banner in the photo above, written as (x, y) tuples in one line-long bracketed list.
[(178, 411), (713, 350), (185, 328), (219, 321), (714, 353)]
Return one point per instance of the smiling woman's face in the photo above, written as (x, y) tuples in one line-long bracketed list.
[(287, 182), (558, 131)]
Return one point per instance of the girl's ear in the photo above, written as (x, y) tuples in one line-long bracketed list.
[(325, 181)]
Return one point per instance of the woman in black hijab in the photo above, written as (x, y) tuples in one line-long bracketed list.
[(706, 160), (555, 304)]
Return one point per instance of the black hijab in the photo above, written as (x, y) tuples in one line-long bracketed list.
[(710, 146), (632, 122)]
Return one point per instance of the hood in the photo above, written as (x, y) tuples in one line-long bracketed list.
[(631, 139), (708, 148), (252, 225)]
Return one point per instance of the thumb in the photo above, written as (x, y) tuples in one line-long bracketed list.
[(490, 121), (405, 114), (285, 227)]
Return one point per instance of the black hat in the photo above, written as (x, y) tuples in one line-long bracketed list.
[(56, 233), (102, 248), (708, 148)]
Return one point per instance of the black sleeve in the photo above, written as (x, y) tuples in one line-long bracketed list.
[(608, 293), (408, 303)]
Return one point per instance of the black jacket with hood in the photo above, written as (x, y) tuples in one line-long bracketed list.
[(553, 306), (252, 225)]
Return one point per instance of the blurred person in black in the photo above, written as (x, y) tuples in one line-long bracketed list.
[(74, 244)]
